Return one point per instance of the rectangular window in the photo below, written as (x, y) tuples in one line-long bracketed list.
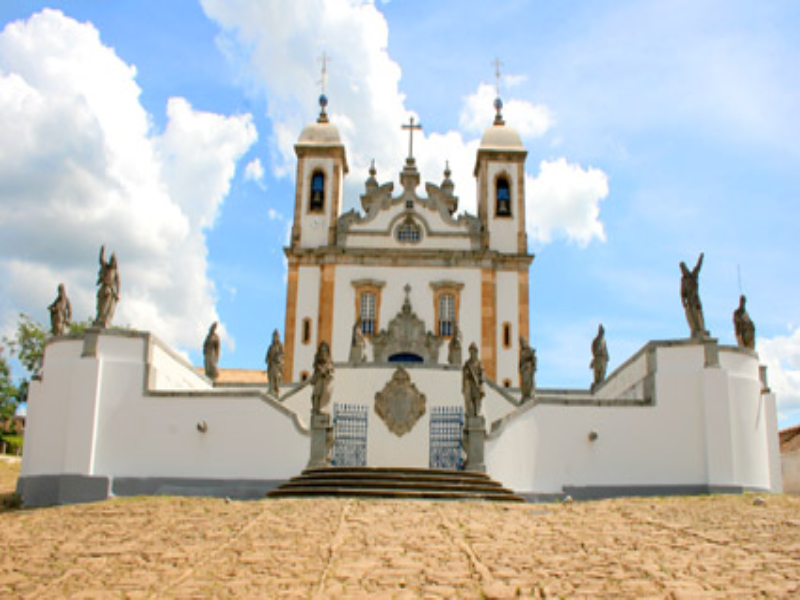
[(306, 330), (506, 335), (368, 312), (447, 314)]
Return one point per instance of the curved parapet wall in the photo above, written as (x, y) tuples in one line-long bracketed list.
[(693, 417), (118, 412)]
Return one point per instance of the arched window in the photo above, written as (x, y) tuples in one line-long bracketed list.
[(503, 206), (317, 197), (408, 232), (306, 330), (506, 335)]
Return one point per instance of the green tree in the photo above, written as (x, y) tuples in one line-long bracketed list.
[(28, 343), (9, 393)]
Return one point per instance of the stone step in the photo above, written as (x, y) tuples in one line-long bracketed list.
[(404, 478), (418, 494), (400, 471), (386, 482)]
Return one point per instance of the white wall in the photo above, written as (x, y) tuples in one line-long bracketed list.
[(308, 282), (709, 426), (93, 416)]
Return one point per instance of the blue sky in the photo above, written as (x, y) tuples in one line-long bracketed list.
[(655, 130)]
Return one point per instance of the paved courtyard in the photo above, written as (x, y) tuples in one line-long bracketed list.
[(726, 546)]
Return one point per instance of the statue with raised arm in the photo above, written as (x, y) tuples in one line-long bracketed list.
[(60, 312), (211, 353), (322, 379), (690, 297), (599, 357), (108, 292), (275, 360), (527, 369), (357, 344), (472, 383), (454, 347), (743, 326)]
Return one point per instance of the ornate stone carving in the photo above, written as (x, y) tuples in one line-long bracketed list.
[(400, 404), (406, 335)]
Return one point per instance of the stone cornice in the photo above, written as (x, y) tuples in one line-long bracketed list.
[(411, 257)]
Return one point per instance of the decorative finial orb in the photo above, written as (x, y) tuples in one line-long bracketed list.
[(498, 106), (323, 101), (372, 170), (447, 171)]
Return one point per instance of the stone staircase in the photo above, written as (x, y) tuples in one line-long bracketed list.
[(369, 482)]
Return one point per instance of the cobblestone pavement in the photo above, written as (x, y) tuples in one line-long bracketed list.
[(722, 546)]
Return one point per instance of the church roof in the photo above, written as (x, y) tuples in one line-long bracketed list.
[(500, 136), (320, 133), (790, 439)]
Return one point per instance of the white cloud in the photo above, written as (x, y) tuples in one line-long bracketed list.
[(254, 171), (530, 120), (278, 48), (781, 355), (564, 200), (85, 169)]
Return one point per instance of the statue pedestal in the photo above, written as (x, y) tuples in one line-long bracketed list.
[(474, 440), (321, 441)]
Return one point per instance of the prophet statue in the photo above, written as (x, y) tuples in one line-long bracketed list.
[(60, 312), (275, 359), (108, 290)]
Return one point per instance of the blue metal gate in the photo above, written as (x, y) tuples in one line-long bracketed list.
[(447, 426), (349, 435)]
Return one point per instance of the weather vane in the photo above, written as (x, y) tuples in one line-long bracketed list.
[(498, 103), (323, 99), (497, 64), (324, 60)]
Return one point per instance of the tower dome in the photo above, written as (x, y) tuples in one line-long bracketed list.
[(322, 132), (499, 136)]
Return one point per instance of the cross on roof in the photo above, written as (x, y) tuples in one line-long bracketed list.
[(324, 60), (497, 64), (411, 127)]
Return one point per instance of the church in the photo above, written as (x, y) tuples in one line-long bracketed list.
[(386, 307), (464, 273)]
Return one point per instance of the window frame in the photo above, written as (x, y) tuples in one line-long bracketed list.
[(312, 207), (368, 286), (502, 177), (442, 288)]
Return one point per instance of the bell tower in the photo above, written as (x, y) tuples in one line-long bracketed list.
[(321, 168), (500, 174)]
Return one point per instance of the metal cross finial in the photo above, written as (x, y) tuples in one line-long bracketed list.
[(497, 64), (324, 60), (411, 127)]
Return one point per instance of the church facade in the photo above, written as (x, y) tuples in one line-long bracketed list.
[(464, 273), (398, 290)]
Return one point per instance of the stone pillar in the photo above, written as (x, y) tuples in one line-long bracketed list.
[(474, 440), (321, 441)]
